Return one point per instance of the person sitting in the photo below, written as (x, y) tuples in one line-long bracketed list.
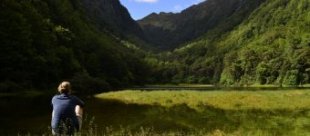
[(67, 111)]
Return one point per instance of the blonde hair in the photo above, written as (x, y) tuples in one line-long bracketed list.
[(64, 87)]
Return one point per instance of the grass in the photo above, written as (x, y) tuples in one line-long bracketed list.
[(227, 100), (218, 113), (198, 113)]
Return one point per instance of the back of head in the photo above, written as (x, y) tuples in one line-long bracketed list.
[(64, 87)]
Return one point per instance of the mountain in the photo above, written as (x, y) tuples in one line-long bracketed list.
[(111, 16), (168, 31), (226, 42), (46, 41), (271, 45)]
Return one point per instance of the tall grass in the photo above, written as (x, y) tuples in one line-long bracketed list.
[(197, 113), (91, 129), (248, 113), (227, 100)]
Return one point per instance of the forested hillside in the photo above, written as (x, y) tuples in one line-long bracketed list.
[(167, 31), (271, 46), (45, 41), (225, 42), (111, 16)]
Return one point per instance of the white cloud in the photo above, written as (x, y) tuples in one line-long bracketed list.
[(147, 1)]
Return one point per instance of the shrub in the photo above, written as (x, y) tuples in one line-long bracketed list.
[(84, 84)]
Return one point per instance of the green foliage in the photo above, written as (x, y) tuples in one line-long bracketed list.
[(270, 46), (85, 84), (44, 42)]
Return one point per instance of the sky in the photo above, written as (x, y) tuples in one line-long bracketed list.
[(141, 8)]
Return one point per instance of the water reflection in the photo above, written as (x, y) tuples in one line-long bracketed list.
[(22, 115)]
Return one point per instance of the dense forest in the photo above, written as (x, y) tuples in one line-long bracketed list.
[(46, 41), (270, 46), (254, 42)]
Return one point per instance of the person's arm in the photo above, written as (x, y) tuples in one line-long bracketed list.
[(79, 107), (79, 115), (79, 111)]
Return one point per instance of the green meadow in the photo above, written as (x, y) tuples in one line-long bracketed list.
[(231, 113)]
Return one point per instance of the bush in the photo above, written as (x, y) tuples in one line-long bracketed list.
[(84, 84), (291, 78)]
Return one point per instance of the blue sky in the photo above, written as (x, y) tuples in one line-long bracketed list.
[(141, 8)]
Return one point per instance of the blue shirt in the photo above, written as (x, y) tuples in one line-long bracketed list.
[(64, 108)]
